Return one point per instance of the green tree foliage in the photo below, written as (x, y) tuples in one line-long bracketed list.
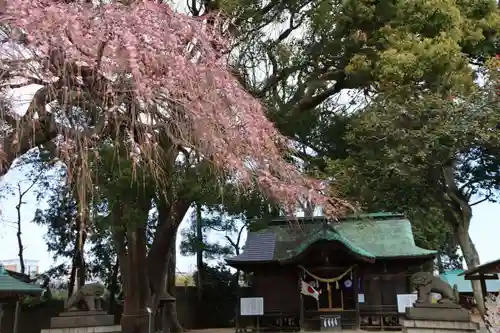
[(220, 295), (431, 232), (319, 64), (60, 219), (300, 55), (425, 152), (228, 228), (449, 259)]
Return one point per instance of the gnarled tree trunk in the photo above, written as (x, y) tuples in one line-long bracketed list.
[(130, 241), (161, 258), (143, 275), (113, 288), (77, 276), (170, 320), (176, 326), (28, 131), (471, 257), (458, 214)]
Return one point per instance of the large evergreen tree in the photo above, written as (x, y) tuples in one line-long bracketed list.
[(426, 154)]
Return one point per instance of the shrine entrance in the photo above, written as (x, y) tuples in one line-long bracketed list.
[(331, 269), (336, 291)]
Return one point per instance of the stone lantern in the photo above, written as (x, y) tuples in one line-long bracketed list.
[(165, 303)]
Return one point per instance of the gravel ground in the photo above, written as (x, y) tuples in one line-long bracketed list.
[(475, 318)]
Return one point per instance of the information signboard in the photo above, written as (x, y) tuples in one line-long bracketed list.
[(252, 306), (406, 301)]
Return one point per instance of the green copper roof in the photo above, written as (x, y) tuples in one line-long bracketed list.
[(10, 284), (326, 235), (373, 236)]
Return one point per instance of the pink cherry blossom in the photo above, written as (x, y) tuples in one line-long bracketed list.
[(176, 66)]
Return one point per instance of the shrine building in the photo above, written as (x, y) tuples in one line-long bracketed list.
[(308, 269)]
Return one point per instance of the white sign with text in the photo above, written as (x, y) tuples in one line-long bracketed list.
[(252, 306), (406, 301)]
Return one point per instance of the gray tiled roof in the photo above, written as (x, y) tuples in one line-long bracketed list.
[(259, 247)]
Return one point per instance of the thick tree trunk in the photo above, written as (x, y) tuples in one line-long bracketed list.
[(78, 269), (170, 320), (29, 131), (471, 257), (113, 288), (143, 277), (130, 240), (458, 213), (76, 279), (170, 216), (136, 294), (72, 280)]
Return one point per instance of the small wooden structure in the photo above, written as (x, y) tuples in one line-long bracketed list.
[(359, 265), (12, 291), (464, 287), (487, 271)]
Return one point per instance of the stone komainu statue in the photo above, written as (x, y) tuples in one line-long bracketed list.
[(90, 294), (426, 283)]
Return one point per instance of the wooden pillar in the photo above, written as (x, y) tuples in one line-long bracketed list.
[(329, 289), (238, 312), (356, 278), (301, 320), (2, 308), (484, 290), (17, 315)]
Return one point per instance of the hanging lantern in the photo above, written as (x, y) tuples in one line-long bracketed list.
[(348, 283)]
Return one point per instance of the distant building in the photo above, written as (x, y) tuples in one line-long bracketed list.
[(31, 267)]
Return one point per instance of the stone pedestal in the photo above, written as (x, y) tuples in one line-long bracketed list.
[(438, 318), (83, 322), (439, 326), (438, 312)]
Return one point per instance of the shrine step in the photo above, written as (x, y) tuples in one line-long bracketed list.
[(90, 329), (73, 319)]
